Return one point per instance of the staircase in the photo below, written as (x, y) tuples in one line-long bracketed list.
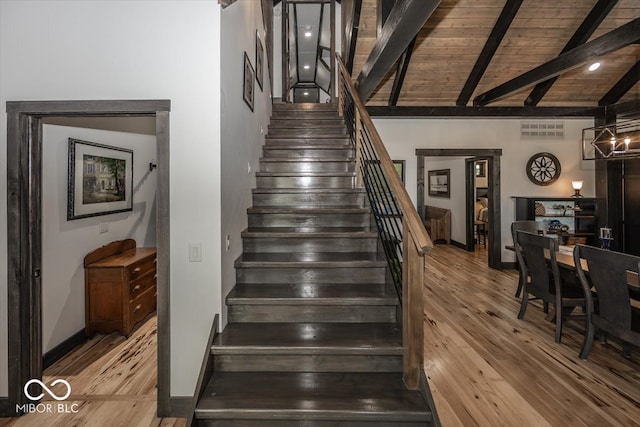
[(313, 337)]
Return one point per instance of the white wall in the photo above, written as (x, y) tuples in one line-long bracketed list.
[(62, 270), (242, 130), (56, 50), (403, 136)]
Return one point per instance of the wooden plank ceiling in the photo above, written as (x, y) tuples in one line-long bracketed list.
[(449, 44)]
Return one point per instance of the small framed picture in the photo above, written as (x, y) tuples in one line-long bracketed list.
[(439, 183), (100, 179), (399, 165), (481, 169), (247, 86), (259, 60)]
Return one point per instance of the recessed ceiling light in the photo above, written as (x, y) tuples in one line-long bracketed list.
[(305, 93), (594, 66), (307, 33), (306, 66)]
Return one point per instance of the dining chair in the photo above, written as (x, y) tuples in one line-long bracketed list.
[(532, 227), (545, 282), (607, 272)]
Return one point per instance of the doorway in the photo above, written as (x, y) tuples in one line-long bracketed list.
[(492, 157), (24, 234)]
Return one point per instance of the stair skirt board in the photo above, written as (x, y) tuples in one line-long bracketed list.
[(312, 338)]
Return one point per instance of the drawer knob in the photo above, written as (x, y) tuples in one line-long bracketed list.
[(136, 288), (136, 270), (138, 307)]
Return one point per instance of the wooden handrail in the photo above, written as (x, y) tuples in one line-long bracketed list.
[(418, 233), (415, 239)]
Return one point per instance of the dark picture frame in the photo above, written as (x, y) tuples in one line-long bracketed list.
[(259, 60), (100, 179), (399, 166), (247, 85), (439, 184)]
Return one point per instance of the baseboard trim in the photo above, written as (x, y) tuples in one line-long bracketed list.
[(509, 265), (5, 411), (180, 406), (59, 351), (459, 245)]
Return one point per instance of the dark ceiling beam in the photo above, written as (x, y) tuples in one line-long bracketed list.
[(383, 9), (401, 73), (405, 21), (491, 45), (623, 86), (467, 111), (351, 29), (582, 34), (610, 42), (626, 110)]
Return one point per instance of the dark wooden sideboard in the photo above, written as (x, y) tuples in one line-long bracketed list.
[(120, 287)]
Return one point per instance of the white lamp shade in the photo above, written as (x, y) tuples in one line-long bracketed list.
[(577, 185)]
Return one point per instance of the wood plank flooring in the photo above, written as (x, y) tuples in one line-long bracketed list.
[(485, 367), (113, 382)]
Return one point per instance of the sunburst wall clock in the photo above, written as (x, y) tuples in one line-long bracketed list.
[(543, 169)]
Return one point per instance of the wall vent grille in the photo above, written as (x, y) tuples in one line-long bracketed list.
[(542, 129)]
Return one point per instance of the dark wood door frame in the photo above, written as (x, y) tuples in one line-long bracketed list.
[(493, 176), (469, 186), (24, 231)]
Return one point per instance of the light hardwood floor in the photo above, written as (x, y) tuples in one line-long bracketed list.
[(485, 367), (113, 382)]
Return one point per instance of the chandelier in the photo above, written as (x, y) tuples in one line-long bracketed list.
[(617, 140)]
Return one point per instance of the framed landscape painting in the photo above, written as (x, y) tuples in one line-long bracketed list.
[(100, 179), (439, 183), (259, 60)]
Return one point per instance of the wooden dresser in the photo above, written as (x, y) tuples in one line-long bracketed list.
[(120, 287)]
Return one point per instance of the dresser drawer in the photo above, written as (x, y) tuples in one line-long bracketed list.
[(142, 305), (141, 284), (141, 268)]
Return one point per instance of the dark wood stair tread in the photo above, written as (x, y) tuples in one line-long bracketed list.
[(306, 160), (297, 395), (305, 210), (305, 174), (310, 338), (306, 190), (310, 294), (326, 260), (293, 232), (302, 231)]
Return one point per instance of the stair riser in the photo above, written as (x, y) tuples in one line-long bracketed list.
[(304, 106), (345, 153), (308, 245), (302, 422), (307, 363), (302, 313), (309, 220), (310, 200), (305, 115), (269, 275), (308, 133), (307, 166), (305, 181), (284, 142), (303, 122)]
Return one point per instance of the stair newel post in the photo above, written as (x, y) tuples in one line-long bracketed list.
[(412, 310), (358, 146)]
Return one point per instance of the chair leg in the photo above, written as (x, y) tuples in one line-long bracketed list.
[(626, 350), (545, 307), (558, 307), (520, 286), (588, 338), (523, 304)]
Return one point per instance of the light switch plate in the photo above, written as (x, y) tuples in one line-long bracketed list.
[(195, 252)]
